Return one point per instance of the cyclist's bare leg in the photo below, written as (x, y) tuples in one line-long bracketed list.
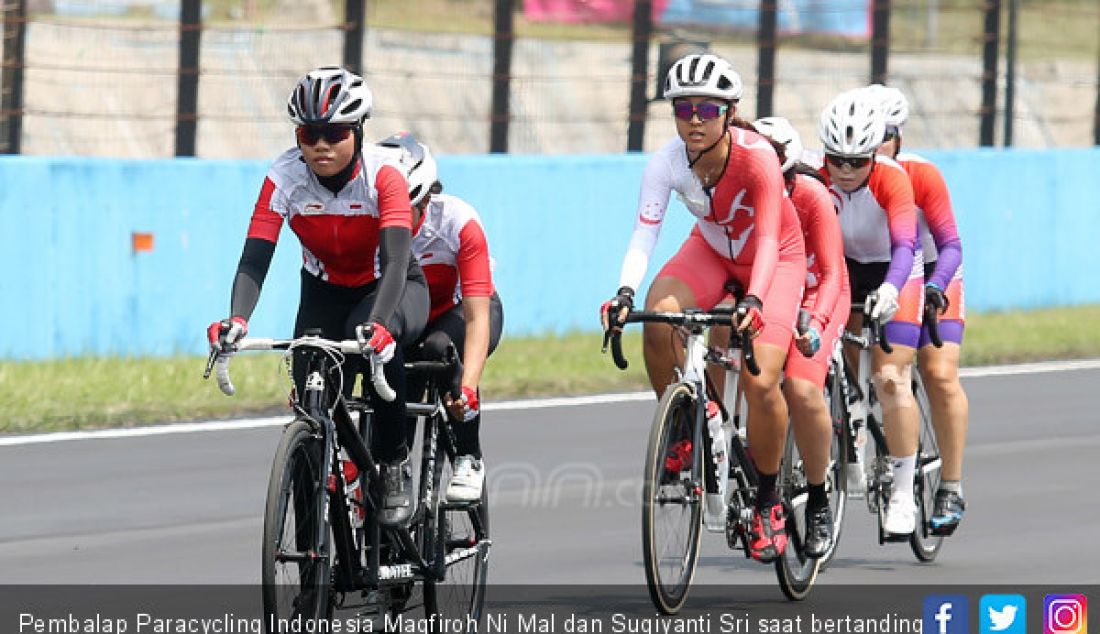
[(901, 420), (813, 429), (767, 425), (662, 348), (939, 367)]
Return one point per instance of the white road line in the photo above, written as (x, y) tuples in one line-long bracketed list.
[(504, 406)]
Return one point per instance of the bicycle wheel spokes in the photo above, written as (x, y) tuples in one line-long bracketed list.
[(672, 501), (463, 530), (796, 571), (295, 567), (925, 545)]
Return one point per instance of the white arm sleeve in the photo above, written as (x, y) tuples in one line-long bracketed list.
[(652, 204)]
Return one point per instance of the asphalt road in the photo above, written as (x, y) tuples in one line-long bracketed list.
[(565, 482)]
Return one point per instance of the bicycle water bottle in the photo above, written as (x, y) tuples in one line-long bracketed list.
[(857, 466), (354, 492), (716, 502)]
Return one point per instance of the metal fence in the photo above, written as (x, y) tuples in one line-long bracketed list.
[(103, 77)]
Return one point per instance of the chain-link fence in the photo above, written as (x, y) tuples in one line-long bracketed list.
[(100, 77)]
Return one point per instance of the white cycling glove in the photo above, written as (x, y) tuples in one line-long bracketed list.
[(885, 304)]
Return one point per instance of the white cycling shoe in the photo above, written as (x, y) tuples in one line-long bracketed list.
[(901, 516), (467, 480)]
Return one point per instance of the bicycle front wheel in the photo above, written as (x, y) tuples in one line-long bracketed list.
[(795, 570), (296, 571), (925, 545), (671, 501), (460, 533), (839, 458)]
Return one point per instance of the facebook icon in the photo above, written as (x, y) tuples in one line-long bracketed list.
[(946, 614)]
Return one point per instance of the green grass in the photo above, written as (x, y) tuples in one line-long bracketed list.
[(113, 392)]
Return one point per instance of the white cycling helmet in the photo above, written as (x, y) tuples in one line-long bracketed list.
[(417, 163), (703, 75), (329, 94), (782, 132), (852, 125), (892, 103)]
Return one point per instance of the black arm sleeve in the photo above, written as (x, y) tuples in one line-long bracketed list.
[(251, 271), (395, 246)]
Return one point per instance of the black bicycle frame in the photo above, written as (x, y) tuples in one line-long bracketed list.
[(350, 573)]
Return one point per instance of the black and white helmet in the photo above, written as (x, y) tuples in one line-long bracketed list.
[(892, 103), (782, 132), (329, 94), (852, 124), (703, 75), (416, 162)]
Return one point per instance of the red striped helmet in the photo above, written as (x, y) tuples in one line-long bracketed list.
[(329, 94)]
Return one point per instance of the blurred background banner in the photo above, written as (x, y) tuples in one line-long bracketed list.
[(849, 18), (584, 11)]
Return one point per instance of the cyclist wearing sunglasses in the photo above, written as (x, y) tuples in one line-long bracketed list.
[(350, 210), (826, 304), (729, 177), (449, 242), (943, 289), (878, 220)]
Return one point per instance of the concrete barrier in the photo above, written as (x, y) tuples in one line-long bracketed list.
[(557, 227)]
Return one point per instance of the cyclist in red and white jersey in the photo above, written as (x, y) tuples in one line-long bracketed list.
[(878, 220), (449, 242), (349, 207), (827, 303), (943, 289), (729, 177)]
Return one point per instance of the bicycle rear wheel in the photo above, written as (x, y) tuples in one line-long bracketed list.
[(460, 534), (795, 570), (925, 545), (296, 570), (839, 458), (671, 500)]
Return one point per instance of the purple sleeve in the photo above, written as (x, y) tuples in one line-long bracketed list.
[(901, 264), (950, 257), (895, 193), (931, 195)]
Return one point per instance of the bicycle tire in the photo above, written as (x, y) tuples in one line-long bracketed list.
[(795, 570), (674, 421), (925, 545), (296, 577), (839, 458), (452, 530)]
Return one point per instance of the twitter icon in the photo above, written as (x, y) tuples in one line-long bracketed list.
[(1002, 614)]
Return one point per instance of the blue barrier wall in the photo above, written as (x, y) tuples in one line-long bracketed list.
[(557, 227)]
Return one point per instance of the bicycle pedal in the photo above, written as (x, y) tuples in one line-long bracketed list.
[(896, 539), (459, 506)]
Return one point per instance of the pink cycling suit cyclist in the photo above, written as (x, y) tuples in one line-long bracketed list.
[(735, 236), (746, 230), (827, 296)]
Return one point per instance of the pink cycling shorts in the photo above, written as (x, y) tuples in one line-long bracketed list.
[(706, 273)]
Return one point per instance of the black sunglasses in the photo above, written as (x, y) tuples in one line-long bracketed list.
[(332, 134), (854, 162)]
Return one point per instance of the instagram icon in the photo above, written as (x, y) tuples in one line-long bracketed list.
[(1065, 614)]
